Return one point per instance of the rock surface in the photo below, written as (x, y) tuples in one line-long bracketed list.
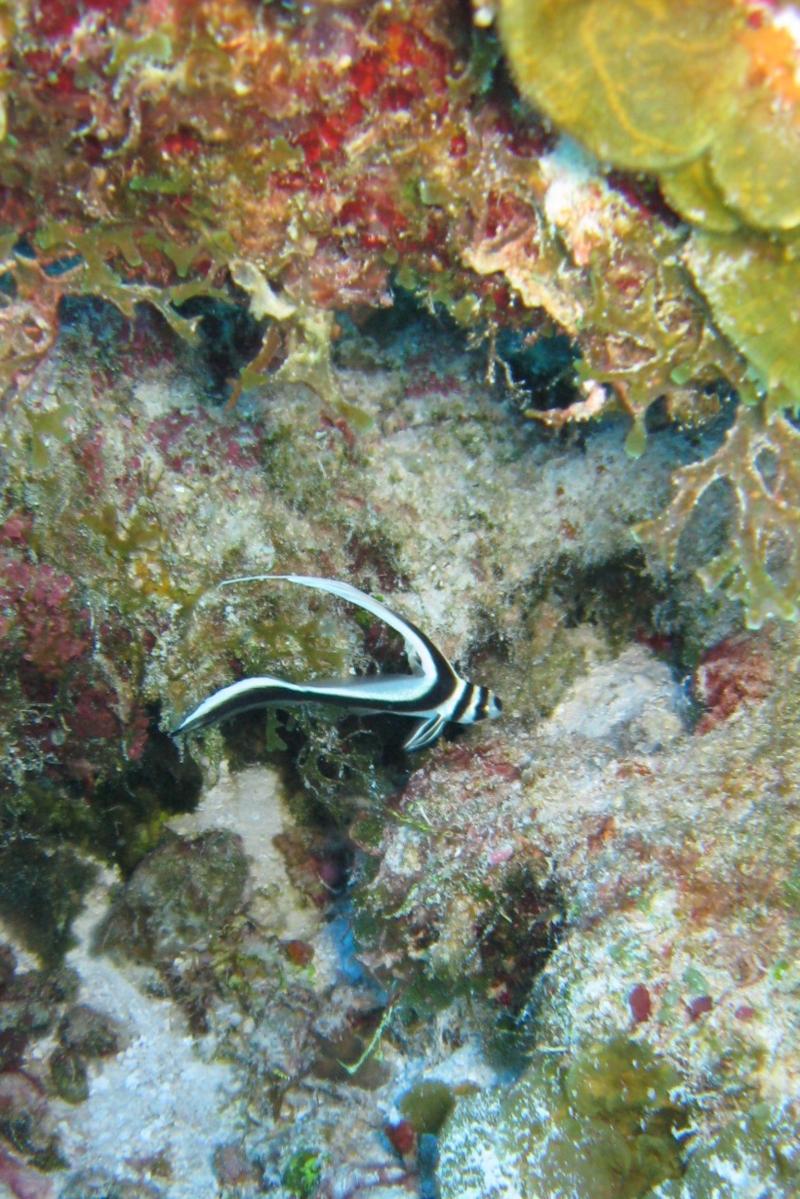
[(297, 932)]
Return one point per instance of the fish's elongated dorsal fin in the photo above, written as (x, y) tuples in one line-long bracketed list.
[(431, 662)]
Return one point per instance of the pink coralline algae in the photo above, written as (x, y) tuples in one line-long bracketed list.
[(39, 618), (737, 671), (22, 1181), (46, 645)]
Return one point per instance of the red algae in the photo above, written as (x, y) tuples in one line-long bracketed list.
[(41, 619), (640, 1003), (402, 1136), (699, 1006), (734, 672)]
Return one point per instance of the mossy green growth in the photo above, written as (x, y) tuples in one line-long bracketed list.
[(302, 1174), (751, 284), (600, 1125), (48, 426), (619, 1077), (44, 824), (41, 891), (68, 1075), (427, 1105)]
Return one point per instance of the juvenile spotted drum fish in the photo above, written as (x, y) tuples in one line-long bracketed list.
[(433, 696)]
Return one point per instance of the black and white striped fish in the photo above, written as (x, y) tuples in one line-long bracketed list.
[(433, 696)]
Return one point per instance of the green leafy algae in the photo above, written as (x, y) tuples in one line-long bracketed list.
[(129, 52), (302, 1174), (645, 334), (755, 161), (654, 87), (692, 192), (760, 461)]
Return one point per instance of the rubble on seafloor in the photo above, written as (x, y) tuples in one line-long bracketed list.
[(556, 952)]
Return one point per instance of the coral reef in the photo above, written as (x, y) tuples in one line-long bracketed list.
[(314, 288), (633, 984), (304, 164), (313, 951)]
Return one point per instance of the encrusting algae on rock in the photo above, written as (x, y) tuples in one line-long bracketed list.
[(602, 1123)]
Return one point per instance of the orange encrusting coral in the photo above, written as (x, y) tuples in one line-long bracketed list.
[(772, 55)]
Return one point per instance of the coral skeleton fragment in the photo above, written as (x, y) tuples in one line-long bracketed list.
[(435, 695)]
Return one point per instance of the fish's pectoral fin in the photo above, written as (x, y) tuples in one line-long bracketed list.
[(426, 732)]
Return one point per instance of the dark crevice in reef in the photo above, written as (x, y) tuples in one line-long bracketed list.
[(401, 335), (228, 335), (515, 952), (543, 365), (673, 616), (94, 322), (518, 929), (49, 823), (132, 805), (699, 440), (229, 338), (619, 596)]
